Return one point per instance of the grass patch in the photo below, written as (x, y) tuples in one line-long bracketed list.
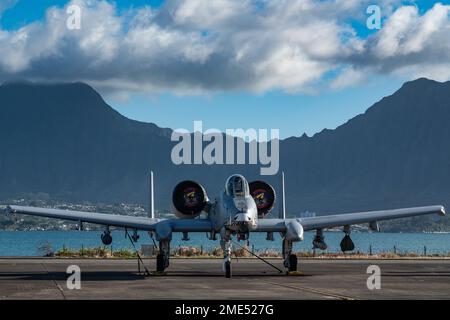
[(195, 252), (97, 252)]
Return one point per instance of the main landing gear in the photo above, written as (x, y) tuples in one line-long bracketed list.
[(162, 259), (290, 259)]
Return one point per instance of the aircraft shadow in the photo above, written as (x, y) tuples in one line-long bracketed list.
[(85, 276), (127, 275), (183, 274)]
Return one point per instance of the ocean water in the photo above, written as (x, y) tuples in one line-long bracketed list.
[(27, 243)]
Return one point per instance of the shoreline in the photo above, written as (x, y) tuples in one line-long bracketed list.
[(347, 258)]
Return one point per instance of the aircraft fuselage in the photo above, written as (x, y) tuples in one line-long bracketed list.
[(236, 213)]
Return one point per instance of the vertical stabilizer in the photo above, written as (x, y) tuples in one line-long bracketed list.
[(151, 207), (282, 209)]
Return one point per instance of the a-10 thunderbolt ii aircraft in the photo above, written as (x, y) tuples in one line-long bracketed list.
[(238, 211)]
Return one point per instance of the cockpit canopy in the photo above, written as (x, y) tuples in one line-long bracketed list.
[(237, 186)]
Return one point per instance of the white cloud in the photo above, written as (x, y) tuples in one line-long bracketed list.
[(348, 77), (411, 44), (209, 14), (406, 32), (195, 46)]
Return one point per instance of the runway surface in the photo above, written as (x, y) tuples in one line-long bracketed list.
[(203, 279)]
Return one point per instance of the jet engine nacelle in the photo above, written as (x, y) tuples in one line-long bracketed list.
[(189, 199), (264, 196)]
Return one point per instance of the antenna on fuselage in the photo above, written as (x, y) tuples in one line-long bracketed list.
[(151, 207), (282, 208)]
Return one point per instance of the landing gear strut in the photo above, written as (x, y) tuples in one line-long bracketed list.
[(225, 243), (162, 259), (290, 259)]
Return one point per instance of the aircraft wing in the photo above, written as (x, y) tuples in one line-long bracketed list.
[(140, 223), (330, 221)]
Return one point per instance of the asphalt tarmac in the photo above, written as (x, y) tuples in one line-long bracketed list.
[(39, 278)]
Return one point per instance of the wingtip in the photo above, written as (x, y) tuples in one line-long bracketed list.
[(442, 213)]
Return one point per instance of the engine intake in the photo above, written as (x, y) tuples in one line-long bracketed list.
[(264, 196), (189, 199)]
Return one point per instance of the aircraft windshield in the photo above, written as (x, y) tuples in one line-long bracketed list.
[(237, 186)]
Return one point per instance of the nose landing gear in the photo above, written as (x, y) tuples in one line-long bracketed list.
[(225, 243), (227, 266)]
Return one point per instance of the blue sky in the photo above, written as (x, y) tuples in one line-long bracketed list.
[(26, 11), (324, 89)]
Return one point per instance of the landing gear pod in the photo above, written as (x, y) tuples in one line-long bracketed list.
[(264, 196), (189, 199)]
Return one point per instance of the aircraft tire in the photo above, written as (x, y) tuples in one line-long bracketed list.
[(293, 262), (160, 263), (228, 269)]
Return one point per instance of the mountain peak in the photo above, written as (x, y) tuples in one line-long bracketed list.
[(45, 85), (67, 91), (422, 82), (61, 100), (76, 101)]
